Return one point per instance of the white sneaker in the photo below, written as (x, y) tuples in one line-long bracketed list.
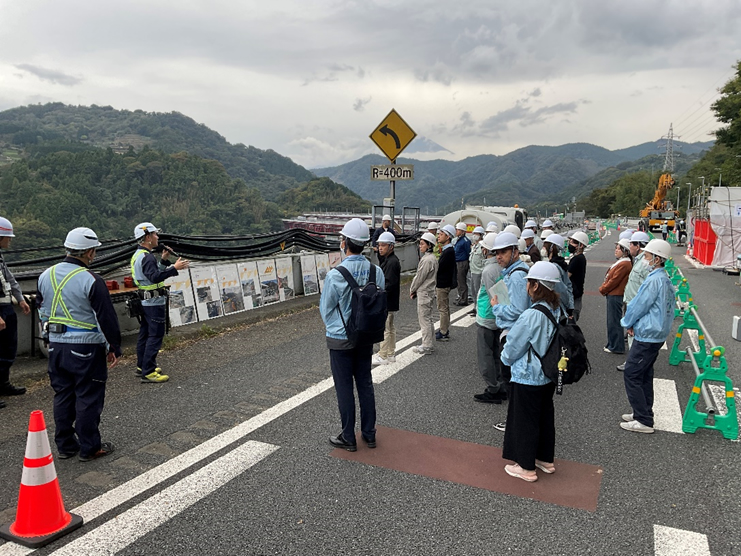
[(378, 360), (635, 426), (391, 359), (422, 350), (627, 417)]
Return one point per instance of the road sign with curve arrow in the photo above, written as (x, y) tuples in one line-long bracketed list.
[(393, 135)]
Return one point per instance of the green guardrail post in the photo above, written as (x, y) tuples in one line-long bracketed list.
[(683, 293), (727, 424)]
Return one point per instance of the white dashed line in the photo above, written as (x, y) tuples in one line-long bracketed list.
[(667, 414), (678, 542)]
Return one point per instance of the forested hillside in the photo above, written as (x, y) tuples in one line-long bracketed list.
[(42, 129)]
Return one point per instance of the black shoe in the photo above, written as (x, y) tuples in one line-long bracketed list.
[(371, 442), (105, 449), (63, 455), (440, 337), (488, 397), (621, 367), (339, 442), (10, 390)]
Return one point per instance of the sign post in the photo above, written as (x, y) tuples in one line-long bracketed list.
[(392, 136)]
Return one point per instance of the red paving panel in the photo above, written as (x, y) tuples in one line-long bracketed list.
[(575, 485)]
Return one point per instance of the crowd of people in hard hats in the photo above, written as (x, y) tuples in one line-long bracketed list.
[(520, 284)]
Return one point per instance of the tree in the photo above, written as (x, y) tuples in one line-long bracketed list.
[(728, 110)]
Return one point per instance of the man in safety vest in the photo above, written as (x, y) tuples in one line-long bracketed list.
[(9, 290), (149, 276), (83, 334)]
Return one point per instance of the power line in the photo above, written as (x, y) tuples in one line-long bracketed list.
[(724, 76), (701, 118), (709, 119)]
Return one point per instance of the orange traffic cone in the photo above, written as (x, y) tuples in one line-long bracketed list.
[(40, 517)]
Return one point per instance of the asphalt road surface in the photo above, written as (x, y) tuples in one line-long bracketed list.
[(231, 456)]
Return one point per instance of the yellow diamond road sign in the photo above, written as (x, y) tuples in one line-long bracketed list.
[(393, 135)]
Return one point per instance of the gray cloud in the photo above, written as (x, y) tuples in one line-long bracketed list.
[(360, 103), (525, 115), (50, 75)]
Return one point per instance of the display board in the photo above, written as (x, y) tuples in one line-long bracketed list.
[(250, 280), (284, 270), (308, 274), (182, 303), (335, 258), (206, 291), (232, 299), (322, 267), (268, 281)]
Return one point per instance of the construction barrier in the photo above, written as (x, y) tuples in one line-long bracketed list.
[(708, 364), (40, 516)]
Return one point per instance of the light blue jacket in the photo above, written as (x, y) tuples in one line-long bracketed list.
[(637, 276), (337, 292), (532, 330), (516, 283), (651, 312)]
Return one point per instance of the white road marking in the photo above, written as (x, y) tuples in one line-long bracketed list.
[(678, 542), (150, 479), (667, 414), (382, 372), (116, 534), (465, 322), (664, 346), (694, 338)]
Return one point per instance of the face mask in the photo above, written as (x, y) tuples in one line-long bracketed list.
[(572, 248)]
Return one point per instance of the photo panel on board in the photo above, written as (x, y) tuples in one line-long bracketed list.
[(182, 302), (284, 270), (206, 289), (322, 267), (250, 282), (308, 273), (335, 258), (232, 299), (268, 281)]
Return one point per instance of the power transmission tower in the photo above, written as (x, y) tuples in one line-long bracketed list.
[(669, 148)]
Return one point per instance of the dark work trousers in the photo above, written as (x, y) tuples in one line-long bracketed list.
[(639, 380), (577, 308), (8, 342), (151, 334), (615, 339), (78, 375), (462, 267), (487, 350), (350, 365), (531, 430)]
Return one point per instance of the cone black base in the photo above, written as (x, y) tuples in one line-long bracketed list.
[(38, 542)]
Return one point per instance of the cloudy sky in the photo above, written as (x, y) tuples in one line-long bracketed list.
[(311, 79)]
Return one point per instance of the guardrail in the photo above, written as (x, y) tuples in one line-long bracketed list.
[(708, 362)]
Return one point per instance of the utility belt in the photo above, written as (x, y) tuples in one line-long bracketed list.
[(151, 294), (58, 328)]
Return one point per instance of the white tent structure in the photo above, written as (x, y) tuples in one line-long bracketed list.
[(724, 206)]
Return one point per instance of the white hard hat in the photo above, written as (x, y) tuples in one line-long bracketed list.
[(461, 226), (546, 273), (660, 248), (81, 238), (386, 217), (545, 233), (531, 224), (512, 229), (488, 241), (527, 233), (449, 229), (521, 245), (432, 226), (6, 228), (581, 237), (144, 228), (386, 237), (640, 236), (504, 240), (427, 236), (555, 239), (356, 230), (548, 223), (492, 223), (625, 235), (479, 230), (491, 227), (625, 242)]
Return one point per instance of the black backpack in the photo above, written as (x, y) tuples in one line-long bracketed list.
[(568, 340), (368, 310)]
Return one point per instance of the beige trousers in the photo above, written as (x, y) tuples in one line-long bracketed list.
[(443, 307), (388, 346), (426, 321)]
